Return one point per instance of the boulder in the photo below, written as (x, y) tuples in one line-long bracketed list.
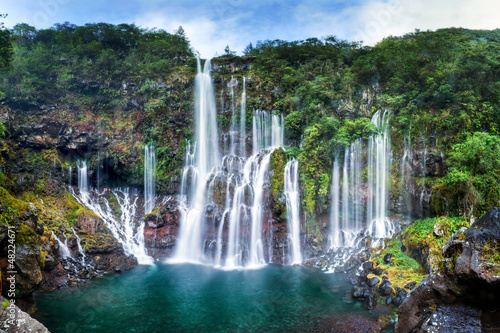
[(464, 295)]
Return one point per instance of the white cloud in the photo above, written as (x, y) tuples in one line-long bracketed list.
[(379, 19), (211, 26)]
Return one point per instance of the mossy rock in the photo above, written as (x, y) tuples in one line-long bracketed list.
[(278, 199)]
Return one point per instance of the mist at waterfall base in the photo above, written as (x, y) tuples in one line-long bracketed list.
[(199, 298)]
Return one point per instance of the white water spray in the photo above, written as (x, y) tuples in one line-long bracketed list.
[(149, 178), (293, 211)]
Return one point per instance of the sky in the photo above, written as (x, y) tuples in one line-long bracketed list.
[(211, 25)]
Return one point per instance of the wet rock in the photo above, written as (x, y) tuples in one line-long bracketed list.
[(370, 302), (385, 289), (410, 285), (378, 271), (358, 292), (368, 266), (373, 281), (387, 258), (22, 323), (29, 273), (89, 223)]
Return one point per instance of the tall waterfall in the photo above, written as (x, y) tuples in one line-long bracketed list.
[(379, 164), (293, 211), (222, 199), (124, 227), (244, 210), (348, 215), (404, 166), (243, 111), (198, 167), (335, 238), (149, 178)]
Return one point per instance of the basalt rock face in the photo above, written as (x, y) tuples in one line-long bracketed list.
[(13, 320), (467, 287), (413, 195), (161, 229)]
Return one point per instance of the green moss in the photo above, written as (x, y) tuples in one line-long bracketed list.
[(26, 235), (277, 165), (72, 209), (402, 269), (491, 256)]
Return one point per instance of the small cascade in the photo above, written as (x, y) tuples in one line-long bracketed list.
[(379, 164), (424, 174), (149, 178), (98, 171), (243, 110), (70, 173), (404, 166), (268, 131), (82, 177), (293, 211), (335, 238), (124, 227), (79, 244), (63, 247)]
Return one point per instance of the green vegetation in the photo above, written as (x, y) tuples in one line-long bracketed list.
[(277, 165), (429, 235), (402, 269), (473, 182)]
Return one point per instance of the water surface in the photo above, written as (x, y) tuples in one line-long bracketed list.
[(195, 298)]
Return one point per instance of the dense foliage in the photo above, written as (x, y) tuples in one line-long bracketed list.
[(441, 87)]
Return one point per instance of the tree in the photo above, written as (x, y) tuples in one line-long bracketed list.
[(180, 32), (228, 52), (6, 50), (248, 49)]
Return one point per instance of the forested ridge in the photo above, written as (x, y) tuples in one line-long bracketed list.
[(442, 88)]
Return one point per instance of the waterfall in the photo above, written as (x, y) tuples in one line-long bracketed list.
[(335, 231), (63, 247), (345, 192), (232, 130), (243, 110), (189, 241), (256, 247), (82, 177), (357, 190), (293, 211), (379, 163), (348, 215), (268, 131), (123, 228), (404, 165), (149, 178), (98, 167), (424, 174), (78, 243), (70, 172), (227, 227)]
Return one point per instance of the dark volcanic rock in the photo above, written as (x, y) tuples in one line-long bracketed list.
[(161, 229), (370, 302), (387, 258), (465, 298), (373, 281)]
